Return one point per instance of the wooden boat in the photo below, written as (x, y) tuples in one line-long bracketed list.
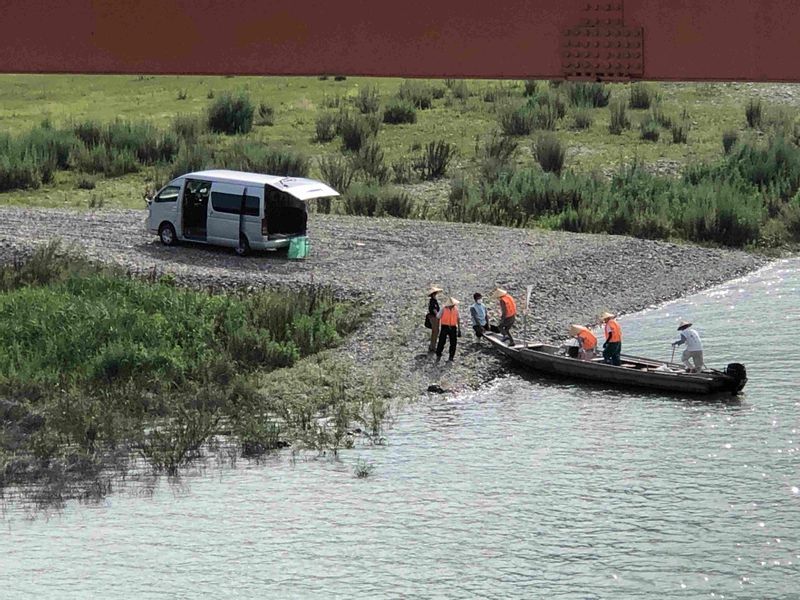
[(634, 371)]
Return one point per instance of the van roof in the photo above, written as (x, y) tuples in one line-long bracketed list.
[(299, 187), (235, 176)]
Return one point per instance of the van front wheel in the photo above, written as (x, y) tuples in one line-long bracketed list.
[(166, 234), (243, 249)]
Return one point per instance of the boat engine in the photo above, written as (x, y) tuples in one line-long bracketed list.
[(738, 372)]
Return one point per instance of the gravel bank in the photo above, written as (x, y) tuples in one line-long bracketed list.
[(389, 263)]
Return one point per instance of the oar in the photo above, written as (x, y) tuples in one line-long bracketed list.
[(673, 354)]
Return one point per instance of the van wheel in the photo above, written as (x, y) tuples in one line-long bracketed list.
[(243, 249), (166, 234)]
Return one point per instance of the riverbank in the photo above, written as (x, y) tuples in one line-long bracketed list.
[(388, 263)]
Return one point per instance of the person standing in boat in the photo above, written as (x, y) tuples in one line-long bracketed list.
[(479, 314), (694, 347), (508, 310), (612, 347), (587, 342), (433, 316), (450, 328)]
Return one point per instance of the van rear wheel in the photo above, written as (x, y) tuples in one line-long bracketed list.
[(166, 234), (243, 249)]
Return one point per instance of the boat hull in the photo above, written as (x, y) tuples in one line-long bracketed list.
[(634, 372)]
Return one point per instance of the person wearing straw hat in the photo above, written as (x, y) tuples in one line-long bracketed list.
[(612, 347), (587, 342), (694, 347), (432, 317), (450, 325), (508, 310)]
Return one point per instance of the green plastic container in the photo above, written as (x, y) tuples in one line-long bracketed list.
[(299, 247)]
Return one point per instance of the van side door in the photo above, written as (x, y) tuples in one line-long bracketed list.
[(224, 212)]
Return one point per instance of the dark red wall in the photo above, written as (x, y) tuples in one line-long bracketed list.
[(757, 40)]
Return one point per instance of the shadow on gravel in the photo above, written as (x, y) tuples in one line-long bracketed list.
[(190, 254)]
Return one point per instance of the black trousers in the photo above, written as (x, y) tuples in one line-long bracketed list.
[(451, 332), (611, 352)]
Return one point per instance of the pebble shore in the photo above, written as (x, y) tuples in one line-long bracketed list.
[(388, 263)]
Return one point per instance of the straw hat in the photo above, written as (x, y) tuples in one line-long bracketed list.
[(683, 325), (576, 329), (434, 290), (606, 316), (452, 302), (498, 293)]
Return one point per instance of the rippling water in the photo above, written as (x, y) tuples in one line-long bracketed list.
[(525, 489)]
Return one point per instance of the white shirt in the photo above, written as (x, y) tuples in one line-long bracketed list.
[(692, 340)]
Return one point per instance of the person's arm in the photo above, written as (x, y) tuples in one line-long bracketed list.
[(680, 341), (440, 313)]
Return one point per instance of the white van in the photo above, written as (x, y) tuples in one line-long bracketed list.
[(231, 208)]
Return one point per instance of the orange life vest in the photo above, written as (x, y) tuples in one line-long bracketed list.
[(588, 340), (509, 305), (450, 316), (614, 329)]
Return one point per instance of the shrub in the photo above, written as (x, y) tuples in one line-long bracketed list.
[(582, 119), (355, 131), (649, 129), (190, 158), (436, 157), (85, 182), (496, 156), (368, 100), (658, 115), (531, 87), (399, 111), (112, 162), (516, 119), (259, 158), (370, 160), (642, 96), (326, 126), (403, 170), (19, 172), (182, 94), (266, 114), (729, 138), (337, 171), (619, 118), (680, 132), (754, 113), (339, 77), (418, 93), (459, 88), (587, 94), (189, 128), (395, 203), (494, 93), (549, 153), (231, 114), (88, 132), (362, 200)]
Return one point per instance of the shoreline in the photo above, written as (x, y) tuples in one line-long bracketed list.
[(388, 263)]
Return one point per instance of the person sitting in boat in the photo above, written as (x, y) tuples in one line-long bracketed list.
[(450, 328), (612, 347), (508, 310), (479, 314), (694, 347), (587, 342)]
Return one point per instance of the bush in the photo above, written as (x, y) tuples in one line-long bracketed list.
[(394, 203), (362, 200), (642, 96), (435, 159), (190, 158), (418, 93), (582, 119), (231, 114), (368, 100), (326, 126), (549, 153), (266, 114), (531, 87), (680, 132), (517, 119), (370, 161), (399, 111), (188, 128), (85, 182), (109, 161), (259, 158), (754, 113), (495, 93), (459, 88), (649, 129), (88, 132), (19, 172), (729, 138), (403, 170), (619, 118), (496, 156), (355, 131), (587, 94)]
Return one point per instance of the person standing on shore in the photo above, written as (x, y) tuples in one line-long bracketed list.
[(479, 314), (612, 347), (508, 310), (587, 342), (694, 347), (433, 316), (450, 325)]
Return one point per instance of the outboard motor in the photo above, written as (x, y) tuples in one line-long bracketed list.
[(737, 372)]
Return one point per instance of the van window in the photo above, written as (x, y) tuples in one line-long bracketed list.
[(168, 194), (231, 203)]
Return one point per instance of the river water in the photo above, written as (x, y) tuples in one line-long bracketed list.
[(524, 489)]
